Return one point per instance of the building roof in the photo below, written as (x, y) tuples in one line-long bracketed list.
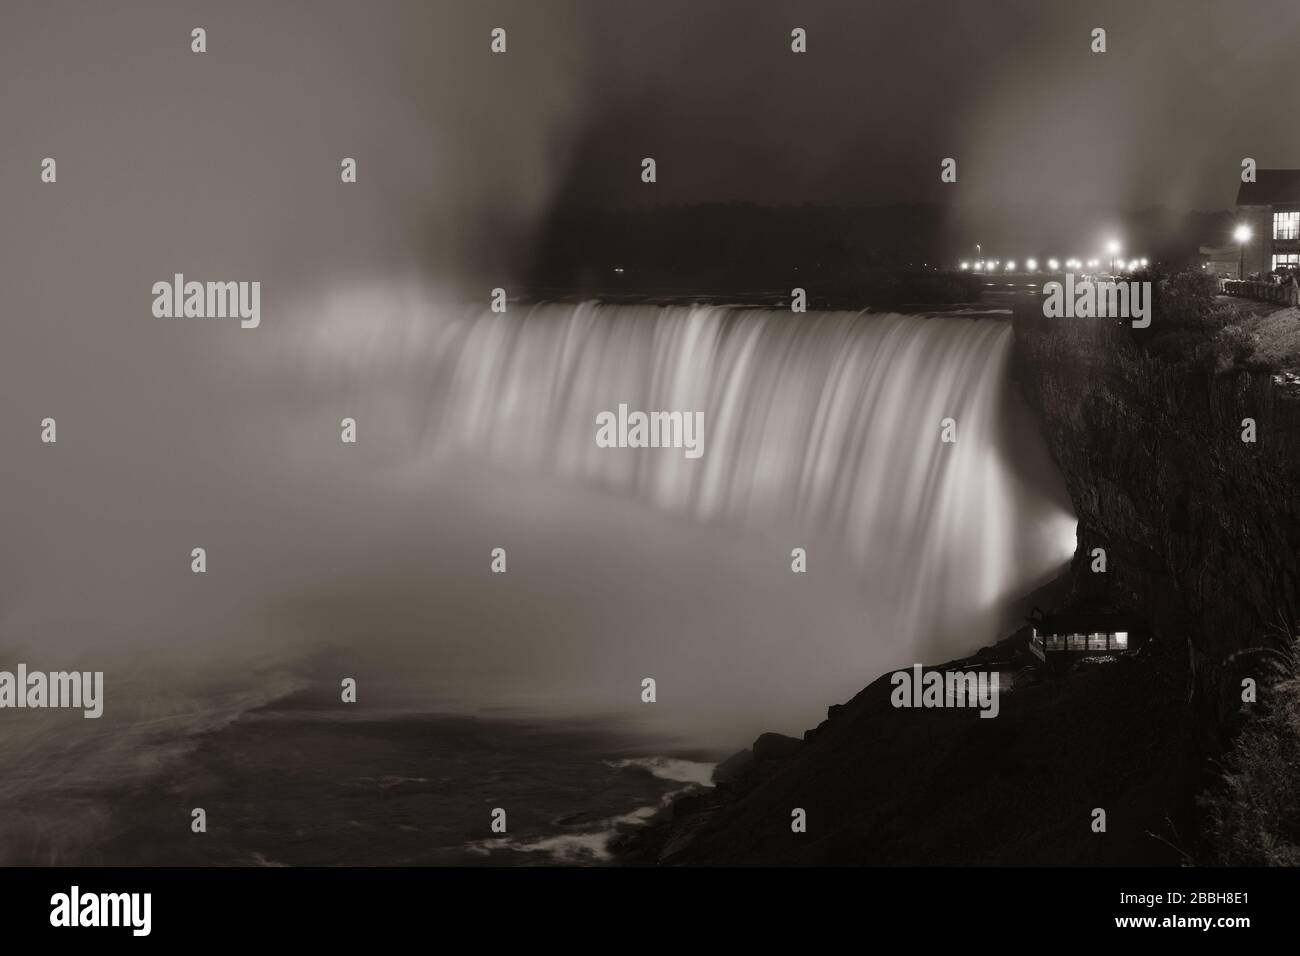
[(1080, 621), (1271, 186)]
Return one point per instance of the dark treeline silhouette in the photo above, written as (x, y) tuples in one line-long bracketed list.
[(854, 255), (866, 255)]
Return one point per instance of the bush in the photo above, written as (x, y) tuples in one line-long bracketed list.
[(1231, 348), (1186, 300), (1239, 345), (1192, 330)]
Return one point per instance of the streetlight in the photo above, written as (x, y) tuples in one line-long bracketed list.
[(1242, 235), (1032, 265), (1113, 248)]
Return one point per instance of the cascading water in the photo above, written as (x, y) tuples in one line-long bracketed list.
[(821, 431), (824, 424)]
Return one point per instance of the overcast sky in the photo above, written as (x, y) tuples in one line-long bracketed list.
[(1010, 89), (460, 150)]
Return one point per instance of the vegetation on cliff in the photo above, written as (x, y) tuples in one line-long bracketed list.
[(1197, 330), (1253, 812)]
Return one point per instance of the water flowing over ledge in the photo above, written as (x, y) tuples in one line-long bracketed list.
[(828, 423)]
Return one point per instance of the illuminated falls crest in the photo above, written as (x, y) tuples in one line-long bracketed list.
[(829, 423)]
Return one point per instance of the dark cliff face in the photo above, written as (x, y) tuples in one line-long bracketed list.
[(1201, 533), (1201, 530), (881, 785)]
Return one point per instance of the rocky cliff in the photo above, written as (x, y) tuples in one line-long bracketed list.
[(1201, 530)]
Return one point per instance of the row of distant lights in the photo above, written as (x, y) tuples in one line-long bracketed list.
[(1031, 265)]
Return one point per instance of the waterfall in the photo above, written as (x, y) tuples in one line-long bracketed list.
[(826, 425)]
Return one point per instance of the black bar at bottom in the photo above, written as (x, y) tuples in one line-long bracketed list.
[(327, 906)]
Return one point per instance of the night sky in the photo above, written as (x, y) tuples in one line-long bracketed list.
[(1011, 89), (462, 152)]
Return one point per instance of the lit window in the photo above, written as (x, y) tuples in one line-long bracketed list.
[(1286, 260), (1286, 225), (1121, 640)]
